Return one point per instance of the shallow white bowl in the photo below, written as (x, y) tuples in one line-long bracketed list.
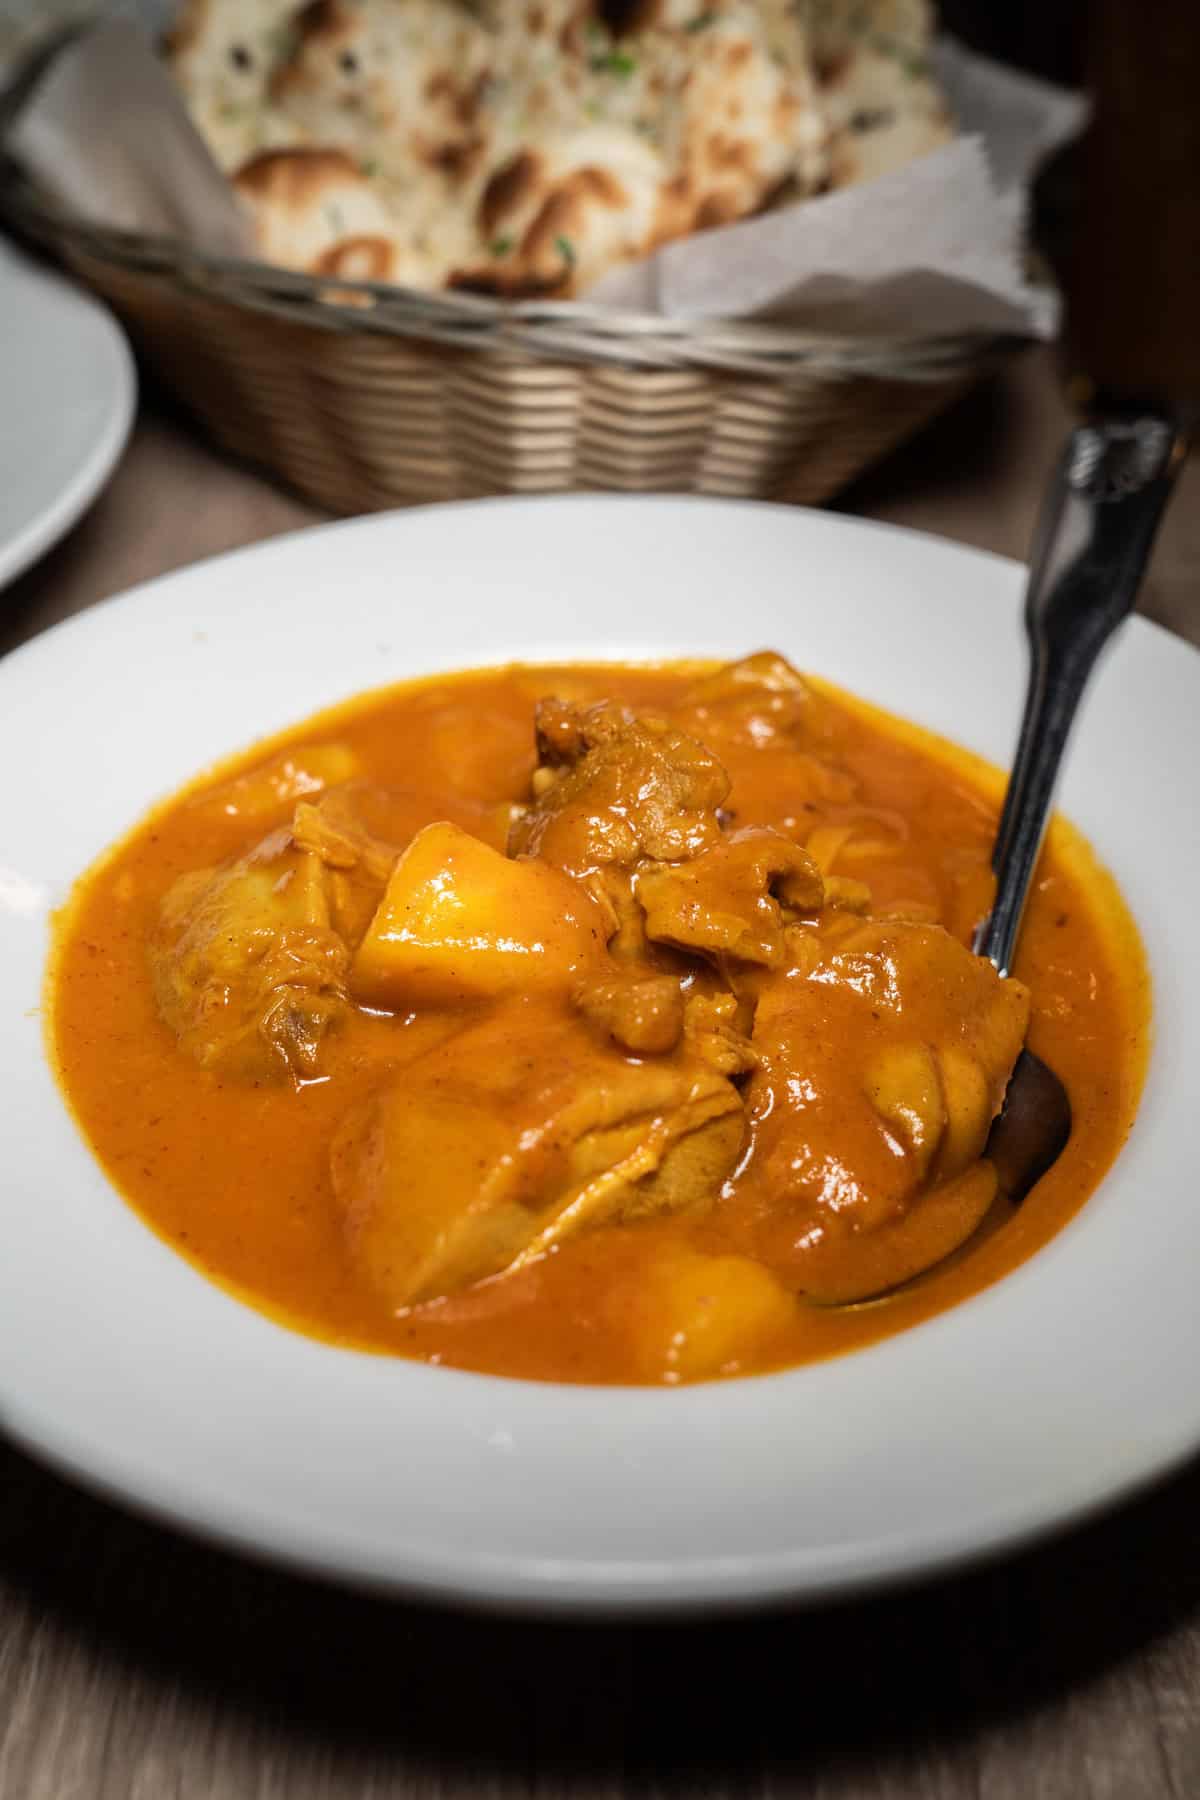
[(1052, 1393)]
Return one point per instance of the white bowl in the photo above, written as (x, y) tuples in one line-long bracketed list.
[(68, 389), (1048, 1395)]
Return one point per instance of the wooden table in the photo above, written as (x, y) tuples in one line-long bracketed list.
[(135, 1665)]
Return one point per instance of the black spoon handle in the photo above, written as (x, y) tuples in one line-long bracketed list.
[(1089, 553)]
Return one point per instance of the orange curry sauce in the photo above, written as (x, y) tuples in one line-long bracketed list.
[(235, 1174)]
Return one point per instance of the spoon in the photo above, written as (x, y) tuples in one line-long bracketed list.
[(1089, 553)]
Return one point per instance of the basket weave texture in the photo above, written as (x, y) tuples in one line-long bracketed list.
[(366, 397)]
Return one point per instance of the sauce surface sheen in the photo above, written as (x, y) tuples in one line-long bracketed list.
[(235, 1174)]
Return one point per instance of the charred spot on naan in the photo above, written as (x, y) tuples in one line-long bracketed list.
[(359, 259), (314, 210), (506, 190)]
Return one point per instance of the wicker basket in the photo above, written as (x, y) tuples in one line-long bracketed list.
[(367, 396)]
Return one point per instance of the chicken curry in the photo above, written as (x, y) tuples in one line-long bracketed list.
[(589, 1023)]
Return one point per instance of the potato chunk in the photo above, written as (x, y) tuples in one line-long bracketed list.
[(697, 1316), (459, 921)]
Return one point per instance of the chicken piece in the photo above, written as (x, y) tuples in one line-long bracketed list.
[(357, 861), (885, 1054), (558, 731), (777, 738), (754, 702), (974, 1082), (974, 1022), (641, 1012), (841, 1270), (904, 1086), (250, 959), (711, 1023), (248, 970), (732, 899), (263, 794), (844, 894), (514, 1136), (333, 831), (616, 788), (459, 921)]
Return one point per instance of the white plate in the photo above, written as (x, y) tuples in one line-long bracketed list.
[(1053, 1392), (67, 391)]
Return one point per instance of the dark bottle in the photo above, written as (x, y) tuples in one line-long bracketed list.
[(1132, 271)]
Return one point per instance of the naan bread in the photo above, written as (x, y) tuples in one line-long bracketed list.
[(315, 210), (396, 81), (529, 146), (224, 54), (881, 102), (651, 136)]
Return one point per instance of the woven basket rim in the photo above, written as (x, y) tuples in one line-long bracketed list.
[(554, 330)]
